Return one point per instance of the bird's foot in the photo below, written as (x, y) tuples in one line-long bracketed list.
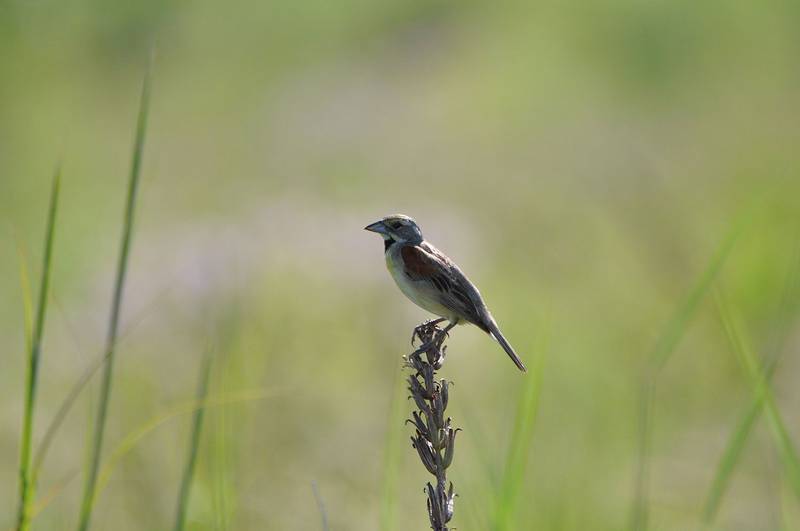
[(426, 331), (423, 348), (444, 333)]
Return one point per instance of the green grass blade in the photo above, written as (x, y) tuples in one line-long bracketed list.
[(194, 444), (491, 471), (222, 483), (72, 396), (519, 451), (323, 513), (676, 327), (27, 298), (729, 460), (392, 452), (27, 480), (762, 390), (87, 502), (219, 401), (738, 437), (61, 413), (662, 350), (132, 439)]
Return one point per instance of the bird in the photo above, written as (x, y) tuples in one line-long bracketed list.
[(433, 281)]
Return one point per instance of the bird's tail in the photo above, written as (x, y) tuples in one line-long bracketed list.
[(494, 331)]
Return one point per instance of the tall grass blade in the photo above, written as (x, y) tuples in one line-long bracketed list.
[(27, 298), (738, 437), (323, 513), (222, 492), (132, 439), (519, 451), (730, 458), (490, 468), (392, 454), (194, 444), (662, 350), (73, 394), (87, 502), (762, 391), (27, 480), (61, 414)]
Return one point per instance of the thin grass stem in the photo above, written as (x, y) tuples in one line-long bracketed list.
[(391, 454), (519, 450), (87, 502), (27, 297), (27, 480), (80, 384), (132, 439), (194, 445), (662, 350), (323, 513), (762, 391), (738, 437)]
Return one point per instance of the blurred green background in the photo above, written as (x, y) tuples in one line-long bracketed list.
[(581, 161)]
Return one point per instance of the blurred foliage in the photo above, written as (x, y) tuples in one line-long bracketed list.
[(581, 161)]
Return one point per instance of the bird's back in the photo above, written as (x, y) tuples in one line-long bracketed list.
[(430, 279)]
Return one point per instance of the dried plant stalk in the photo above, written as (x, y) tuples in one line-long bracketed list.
[(434, 437)]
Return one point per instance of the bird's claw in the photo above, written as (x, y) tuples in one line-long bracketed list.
[(425, 329), (425, 347)]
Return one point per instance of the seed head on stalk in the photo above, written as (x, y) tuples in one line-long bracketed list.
[(434, 437)]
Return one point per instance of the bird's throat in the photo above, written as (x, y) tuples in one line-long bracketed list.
[(388, 242)]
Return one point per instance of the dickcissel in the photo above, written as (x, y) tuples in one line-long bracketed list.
[(432, 281)]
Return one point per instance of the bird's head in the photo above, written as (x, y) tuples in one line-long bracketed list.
[(397, 228)]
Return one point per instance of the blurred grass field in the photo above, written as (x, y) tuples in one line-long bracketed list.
[(583, 163)]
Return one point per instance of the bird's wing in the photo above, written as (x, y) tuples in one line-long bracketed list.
[(426, 264)]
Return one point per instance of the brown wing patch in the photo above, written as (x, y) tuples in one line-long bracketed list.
[(417, 262), (424, 263)]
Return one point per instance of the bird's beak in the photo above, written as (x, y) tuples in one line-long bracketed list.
[(378, 227)]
